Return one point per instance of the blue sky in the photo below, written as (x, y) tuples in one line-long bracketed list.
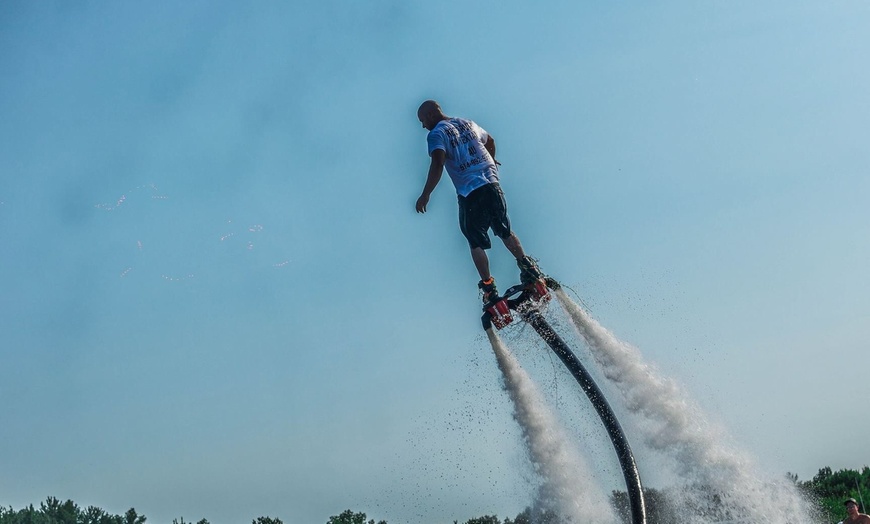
[(216, 299)]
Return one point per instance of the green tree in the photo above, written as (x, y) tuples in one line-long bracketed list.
[(131, 517), (30, 515), (828, 489), (95, 515), (53, 511), (534, 515), (181, 521), (486, 519), (349, 517), (57, 512), (267, 520)]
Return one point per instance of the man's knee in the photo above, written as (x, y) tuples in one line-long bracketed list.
[(510, 238)]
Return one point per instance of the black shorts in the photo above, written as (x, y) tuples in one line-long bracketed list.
[(482, 209)]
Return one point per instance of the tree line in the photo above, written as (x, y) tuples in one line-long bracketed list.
[(826, 491)]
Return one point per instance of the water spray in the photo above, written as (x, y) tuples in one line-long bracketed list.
[(529, 298), (568, 487), (675, 426)]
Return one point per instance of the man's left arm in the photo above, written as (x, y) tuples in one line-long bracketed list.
[(489, 145)]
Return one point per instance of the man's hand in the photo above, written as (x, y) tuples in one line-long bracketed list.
[(422, 202), (435, 169)]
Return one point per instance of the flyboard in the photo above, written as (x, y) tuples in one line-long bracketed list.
[(525, 300)]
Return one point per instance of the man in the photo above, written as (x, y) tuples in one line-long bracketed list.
[(468, 153), (855, 517)]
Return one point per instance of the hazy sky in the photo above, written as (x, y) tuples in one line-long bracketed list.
[(217, 301)]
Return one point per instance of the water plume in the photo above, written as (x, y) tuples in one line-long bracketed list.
[(721, 482), (567, 487)]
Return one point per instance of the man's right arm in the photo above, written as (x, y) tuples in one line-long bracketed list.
[(436, 168)]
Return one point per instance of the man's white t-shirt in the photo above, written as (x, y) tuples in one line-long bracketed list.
[(468, 163)]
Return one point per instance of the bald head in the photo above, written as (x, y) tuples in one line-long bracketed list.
[(430, 113), (429, 106)]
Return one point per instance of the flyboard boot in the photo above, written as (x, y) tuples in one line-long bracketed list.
[(495, 307), (531, 293), (488, 290), (534, 282), (530, 273)]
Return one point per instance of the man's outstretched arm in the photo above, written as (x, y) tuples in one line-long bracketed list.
[(436, 168)]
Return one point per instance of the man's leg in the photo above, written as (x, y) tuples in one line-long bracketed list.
[(481, 262), (512, 243), (487, 283), (529, 270), (501, 226)]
